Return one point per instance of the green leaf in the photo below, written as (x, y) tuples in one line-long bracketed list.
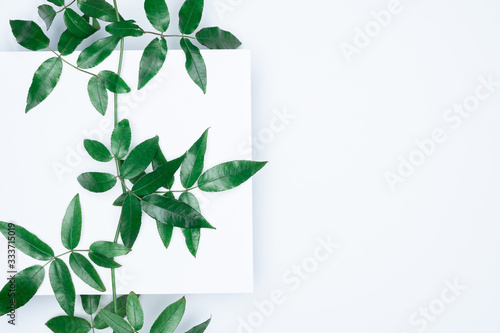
[(228, 175), (58, 3), (165, 231), (170, 318), (100, 324), (190, 16), (152, 60), (47, 14), (192, 166), (195, 65), (77, 24), (192, 235), (125, 29), (130, 220), (157, 14), (97, 182), (72, 224), (26, 284), (139, 158), (137, 178), (98, 9), (97, 52), (86, 271), (62, 284), (135, 314), (97, 150), (216, 38), (90, 303), (44, 82), (109, 249), (98, 94), (173, 212), (156, 179), (26, 242), (120, 139), (29, 35), (200, 328), (68, 43), (117, 323), (103, 261), (120, 200), (114, 83), (95, 24), (66, 324), (158, 161)]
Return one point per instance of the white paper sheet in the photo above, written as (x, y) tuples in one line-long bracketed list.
[(42, 154)]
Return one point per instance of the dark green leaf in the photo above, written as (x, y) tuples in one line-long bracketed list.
[(29, 35), (170, 318), (57, 2), (72, 224), (192, 235), (68, 43), (109, 249), (158, 161), (77, 24), (117, 323), (114, 83), (152, 60), (100, 324), (95, 24), (86, 271), (98, 94), (47, 14), (228, 175), (135, 314), (200, 328), (26, 242), (99, 9), (26, 284), (173, 212), (62, 284), (139, 158), (97, 52), (157, 13), (44, 81), (130, 220), (103, 261), (97, 150), (165, 231), (90, 303), (125, 29), (190, 16), (192, 166), (119, 201), (156, 179), (67, 324), (120, 139), (216, 38), (195, 65), (137, 178), (97, 182)]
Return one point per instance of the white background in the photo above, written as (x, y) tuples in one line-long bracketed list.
[(352, 123)]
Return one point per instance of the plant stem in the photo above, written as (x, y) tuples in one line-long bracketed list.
[(64, 8), (75, 67), (162, 35), (120, 62)]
